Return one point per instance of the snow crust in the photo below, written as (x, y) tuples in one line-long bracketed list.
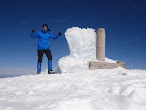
[(82, 46), (111, 89)]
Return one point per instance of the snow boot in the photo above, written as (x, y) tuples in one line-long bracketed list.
[(38, 68), (50, 71)]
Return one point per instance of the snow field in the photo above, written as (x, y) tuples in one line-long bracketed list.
[(113, 89)]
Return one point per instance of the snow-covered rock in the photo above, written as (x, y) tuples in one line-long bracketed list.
[(82, 45)]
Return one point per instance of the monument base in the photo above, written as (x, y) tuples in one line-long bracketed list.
[(106, 65)]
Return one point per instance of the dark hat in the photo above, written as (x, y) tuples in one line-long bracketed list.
[(45, 25)]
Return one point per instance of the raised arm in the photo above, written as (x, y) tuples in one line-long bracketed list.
[(33, 35), (54, 37)]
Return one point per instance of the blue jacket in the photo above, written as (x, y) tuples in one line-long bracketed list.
[(43, 39)]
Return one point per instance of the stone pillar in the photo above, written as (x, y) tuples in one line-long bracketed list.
[(100, 44)]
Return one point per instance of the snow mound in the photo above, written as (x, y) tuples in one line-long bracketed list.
[(82, 46)]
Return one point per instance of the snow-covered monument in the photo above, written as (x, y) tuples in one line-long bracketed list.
[(87, 51)]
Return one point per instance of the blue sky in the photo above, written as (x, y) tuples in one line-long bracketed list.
[(124, 21)]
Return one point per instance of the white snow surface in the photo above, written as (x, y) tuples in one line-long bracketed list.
[(101, 89), (82, 46)]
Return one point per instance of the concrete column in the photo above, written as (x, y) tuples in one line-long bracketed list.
[(100, 44)]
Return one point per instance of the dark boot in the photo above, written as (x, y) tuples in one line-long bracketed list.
[(51, 72)]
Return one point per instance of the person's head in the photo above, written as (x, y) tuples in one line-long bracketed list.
[(45, 27)]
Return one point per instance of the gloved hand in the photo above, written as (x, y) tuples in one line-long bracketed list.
[(48, 29), (33, 30), (60, 33)]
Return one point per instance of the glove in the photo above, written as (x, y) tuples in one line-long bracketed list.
[(60, 33), (33, 30), (48, 29)]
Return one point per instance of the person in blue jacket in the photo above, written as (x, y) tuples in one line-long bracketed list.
[(44, 46)]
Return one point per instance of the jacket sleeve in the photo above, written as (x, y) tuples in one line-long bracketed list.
[(53, 37), (34, 35)]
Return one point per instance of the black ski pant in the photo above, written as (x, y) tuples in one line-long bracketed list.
[(47, 52)]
